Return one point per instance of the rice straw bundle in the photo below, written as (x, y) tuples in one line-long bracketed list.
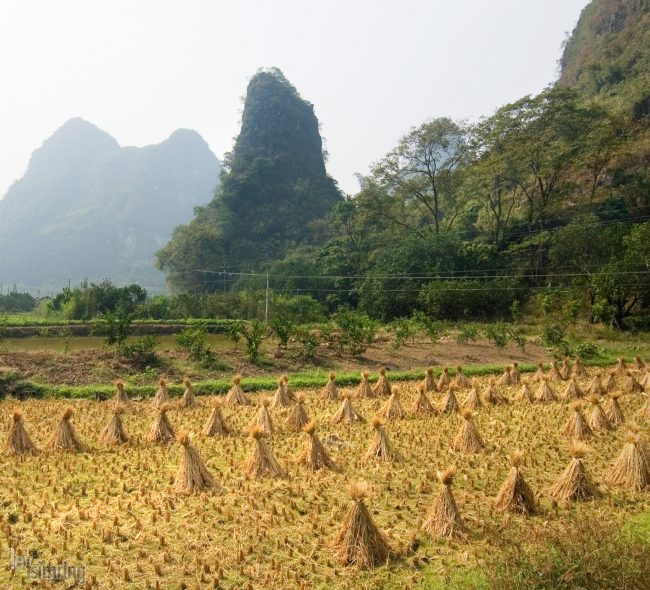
[(515, 494), (161, 431), (365, 389), (216, 424), (188, 400), (595, 386), (506, 378), (621, 367), (443, 520), (631, 469), (18, 441), (422, 405), (262, 418), (565, 370), (346, 412), (287, 388), (192, 475), (598, 421), (639, 365), (120, 398), (630, 384), (544, 392), (392, 409), (359, 542), (461, 380), (64, 438), (380, 448), (429, 381), (450, 404), (162, 395), (314, 456), (576, 426), (575, 484), (554, 374), (444, 381), (330, 391), (492, 396), (468, 439), (644, 412), (281, 398), (525, 394), (572, 390), (473, 400), (515, 374), (113, 433), (382, 388), (260, 461), (578, 369), (539, 374), (236, 395), (613, 410), (298, 417)]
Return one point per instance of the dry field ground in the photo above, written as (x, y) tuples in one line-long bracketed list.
[(116, 509)]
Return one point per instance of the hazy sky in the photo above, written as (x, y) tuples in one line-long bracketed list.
[(141, 68)]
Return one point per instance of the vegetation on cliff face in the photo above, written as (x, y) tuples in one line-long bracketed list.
[(273, 191)]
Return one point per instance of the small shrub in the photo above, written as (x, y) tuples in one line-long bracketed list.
[(499, 333), (433, 329), (308, 340), (194, 341), (554, 339), (115, 326), (404, 330), (253, 333), (282, 328), (357, 331), (467, 333), (518, 337), (585, 350), (141, 352), (515, 311)]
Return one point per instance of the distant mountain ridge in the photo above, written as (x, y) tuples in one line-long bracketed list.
[(88, 208)]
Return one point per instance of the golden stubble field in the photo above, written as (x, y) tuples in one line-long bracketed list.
[(115, 509)]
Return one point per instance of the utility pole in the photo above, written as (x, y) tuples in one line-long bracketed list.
[(266, 306), (224, 278)]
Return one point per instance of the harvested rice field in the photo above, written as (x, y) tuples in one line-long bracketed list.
[(396, 493)]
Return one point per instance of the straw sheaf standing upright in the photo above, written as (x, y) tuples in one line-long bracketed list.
[(288, 389), (192, 475), (525, 395), (443, 520), (236, 395), (632, 467), (630, 384), (539, 374), (492, 396), (359, 542), (161, 431), (162, 395), (262, 418), (260, 461), (461, 381), (444, 381), (216, 425), (638, 364), (64, 438), (18, 441), (576, 426), (515, 373), (114, 433), (554, 374), (506, 378), (468, 439), (346, 412), (565, 370), (595, 386), (330, 391), (298, 416), (621, 366), (515, 494), (383, 387), (575, 484), (314, 455), (544, 392), (392, 409), (365, 389), (188, 400), (578, 369), (644, 412), (281, 398), (473, 401), (429, 381), (380, 448), (450, 403), (572, 390), (422, 406), (613, 410), (598, 421), (120, 398)]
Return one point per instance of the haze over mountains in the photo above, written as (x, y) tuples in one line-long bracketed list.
[(89, 209)]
